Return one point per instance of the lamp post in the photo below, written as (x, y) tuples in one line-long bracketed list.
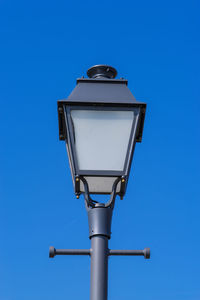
[(100, 122)]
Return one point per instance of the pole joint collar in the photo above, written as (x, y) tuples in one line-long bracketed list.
[(99, 219)]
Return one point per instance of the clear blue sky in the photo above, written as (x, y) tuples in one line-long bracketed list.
[(44, 47)]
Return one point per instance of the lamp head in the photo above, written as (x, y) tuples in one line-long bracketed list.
[(100, 121)]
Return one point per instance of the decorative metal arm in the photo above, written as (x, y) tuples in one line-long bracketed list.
[(111, 202), (90, 202)]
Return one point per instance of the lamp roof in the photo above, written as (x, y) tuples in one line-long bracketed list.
[(102, 91)]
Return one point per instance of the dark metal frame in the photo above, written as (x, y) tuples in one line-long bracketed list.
[(70, 140), (61, 118)]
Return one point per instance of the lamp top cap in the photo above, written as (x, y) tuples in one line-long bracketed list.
[(99, 71)]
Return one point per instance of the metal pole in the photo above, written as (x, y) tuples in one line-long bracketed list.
[(99, 268), (99, 219)]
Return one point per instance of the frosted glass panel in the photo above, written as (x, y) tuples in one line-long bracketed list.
[(101, 138), (100, 184)]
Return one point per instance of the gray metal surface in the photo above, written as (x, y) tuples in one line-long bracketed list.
[(53, 252), (102, 71), (145, 252), (106, 92), (101, 91), (99, 268), (99, 220)]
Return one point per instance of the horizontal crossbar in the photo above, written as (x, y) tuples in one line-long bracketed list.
[(53, 252), (145, 252)]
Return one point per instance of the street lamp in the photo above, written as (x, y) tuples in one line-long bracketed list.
[(100, 122)]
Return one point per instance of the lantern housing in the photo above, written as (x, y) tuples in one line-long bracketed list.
[(100, 122)]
